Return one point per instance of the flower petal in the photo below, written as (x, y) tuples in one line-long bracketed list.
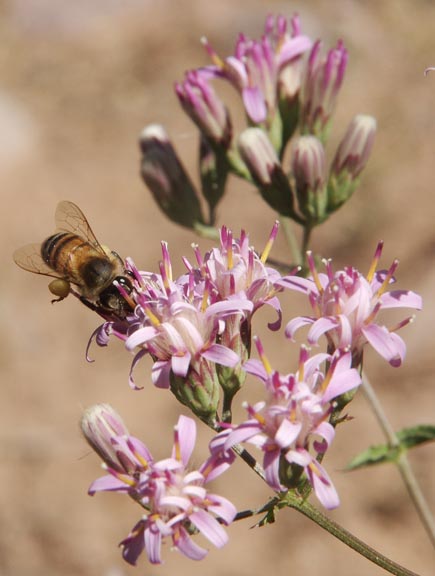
[(186, 429), (221, 355), (209, 527), (388, 344)]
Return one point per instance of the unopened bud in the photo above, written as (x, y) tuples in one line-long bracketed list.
[(350, 159), (100, 424), (166, 178), (205, 108), (266, 171), (309, 172)]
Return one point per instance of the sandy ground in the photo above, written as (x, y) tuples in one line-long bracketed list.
[(78, 82)]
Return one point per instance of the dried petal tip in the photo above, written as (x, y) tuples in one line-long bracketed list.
[(166, 178)]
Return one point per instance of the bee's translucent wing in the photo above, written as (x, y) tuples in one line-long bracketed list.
[(69, 218), (29, 258)]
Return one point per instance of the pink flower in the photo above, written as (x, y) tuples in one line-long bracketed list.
[(174, 499), (323, 82), (255, 66), (291, 424), (346, 305)]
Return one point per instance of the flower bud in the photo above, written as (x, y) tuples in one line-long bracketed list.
[(201, 103), (350, 159), (166, 178), (265, 168), (198, 390), (100, 424), (322, 86), (309, 172)]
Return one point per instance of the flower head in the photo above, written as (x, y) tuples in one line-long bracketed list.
[(256, 64), (291, 425), (322, 85), (201, 103), (346, 305), (174, 500), (199, 321)]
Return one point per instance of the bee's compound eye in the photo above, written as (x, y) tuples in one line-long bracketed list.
[(59, 288)]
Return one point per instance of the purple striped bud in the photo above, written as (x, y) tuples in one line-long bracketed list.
[(309, 171), (100, 424), (167, 179), (266, 171), (350, 159), (354, 149)]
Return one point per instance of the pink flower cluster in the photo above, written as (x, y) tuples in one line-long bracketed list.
[(292, 422), (174, 499), (346, 306), (181, 322)]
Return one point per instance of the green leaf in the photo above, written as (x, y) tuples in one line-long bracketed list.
[(408, 438)]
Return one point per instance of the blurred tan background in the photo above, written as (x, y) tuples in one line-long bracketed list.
[(78, 82)]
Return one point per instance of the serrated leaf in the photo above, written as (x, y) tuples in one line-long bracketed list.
[(381, 453)]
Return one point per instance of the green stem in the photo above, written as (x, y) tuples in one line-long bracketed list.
[(306, 240), (291, 240), (402, 462), (349, 539)]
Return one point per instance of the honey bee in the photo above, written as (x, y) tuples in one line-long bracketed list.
[(80, 265)]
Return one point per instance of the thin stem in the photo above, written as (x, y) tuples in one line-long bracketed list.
[(306, 240), (291, 240), (250, 460), (349, 539), (402, 462)]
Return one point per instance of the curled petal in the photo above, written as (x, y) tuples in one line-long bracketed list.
[(388, 344), (188, 547), (140, 337), (323, 486), (221, 355), (209, 527), (320, 327), (401, 299), (271, 468), (133, 545), (136, 359), (108, 483), (294, 325), (222, 507), (160, 374)]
